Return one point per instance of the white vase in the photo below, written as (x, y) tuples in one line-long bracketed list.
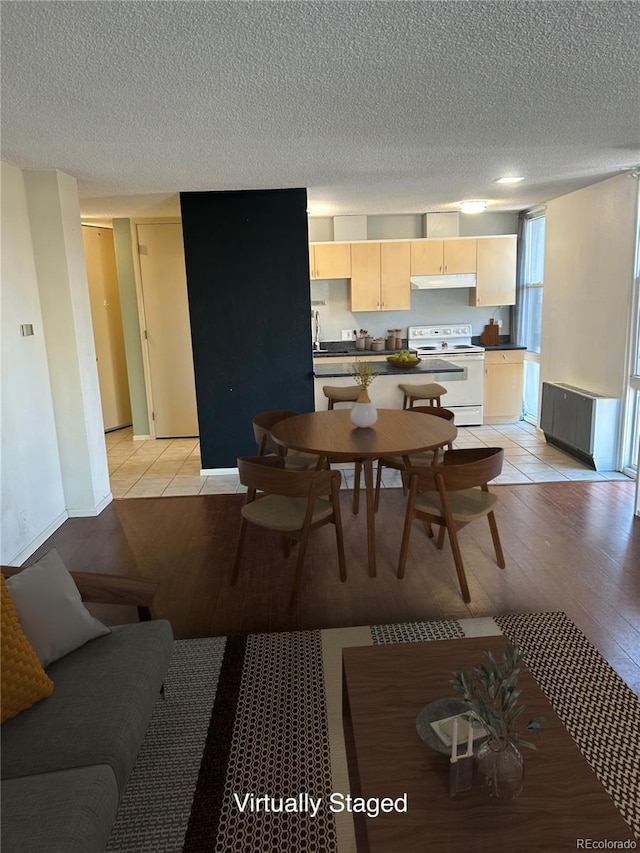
[(364, 413)]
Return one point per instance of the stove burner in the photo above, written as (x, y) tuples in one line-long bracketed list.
[(462, 346), (428, 348)]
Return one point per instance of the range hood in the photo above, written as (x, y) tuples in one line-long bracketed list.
[(435, 282)]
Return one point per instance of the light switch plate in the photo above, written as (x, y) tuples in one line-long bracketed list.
[(347, 335)]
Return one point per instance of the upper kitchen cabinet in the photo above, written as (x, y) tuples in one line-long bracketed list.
[(435, 257), (380, 276), (496, 271), (329, 260)]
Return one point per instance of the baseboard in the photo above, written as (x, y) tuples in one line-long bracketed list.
[(217, 472), (142, 438), (90, 511), (19, 558)]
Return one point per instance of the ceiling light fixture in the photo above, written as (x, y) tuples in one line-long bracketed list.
[(473, 206), (509, 179)]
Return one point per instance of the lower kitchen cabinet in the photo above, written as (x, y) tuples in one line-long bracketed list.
[(503, 386)]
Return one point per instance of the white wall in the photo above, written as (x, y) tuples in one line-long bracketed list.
[(54, 214), (588, 280), (53, 457), (32, 496), (427, 307)]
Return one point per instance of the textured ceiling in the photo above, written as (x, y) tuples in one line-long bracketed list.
[(375, 107)]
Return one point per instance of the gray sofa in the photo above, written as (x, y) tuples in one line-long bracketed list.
[(66, 760)]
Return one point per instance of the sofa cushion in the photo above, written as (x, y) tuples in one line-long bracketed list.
[(50, 609), (104, 695), (23, 680), (71, 811)]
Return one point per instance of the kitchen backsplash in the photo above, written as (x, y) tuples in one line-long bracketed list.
[(427, 307)]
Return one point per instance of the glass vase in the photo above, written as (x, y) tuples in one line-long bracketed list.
[(500, 768), (363, 412)]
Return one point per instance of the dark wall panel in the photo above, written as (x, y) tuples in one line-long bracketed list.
[(247, 263)]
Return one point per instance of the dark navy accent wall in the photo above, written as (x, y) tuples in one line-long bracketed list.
[(247, 263)]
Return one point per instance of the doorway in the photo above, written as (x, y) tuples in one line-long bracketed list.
[(167, 332), (106, 317)]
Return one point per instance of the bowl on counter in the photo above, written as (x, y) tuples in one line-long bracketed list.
[(407, 362)]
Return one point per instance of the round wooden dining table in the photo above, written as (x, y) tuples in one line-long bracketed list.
[(331, 434)]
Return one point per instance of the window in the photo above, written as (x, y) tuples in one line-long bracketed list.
[(531, 291), (631, 417)]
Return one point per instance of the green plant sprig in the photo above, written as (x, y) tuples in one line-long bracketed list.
[(363, 373), (491, 693)]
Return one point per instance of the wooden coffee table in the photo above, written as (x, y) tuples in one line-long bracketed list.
[(384, 689)]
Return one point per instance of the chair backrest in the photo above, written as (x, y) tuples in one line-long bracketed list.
[(460, 469), (268, 474), (263, 423), (436, 411)]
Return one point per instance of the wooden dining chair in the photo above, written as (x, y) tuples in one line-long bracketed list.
[(291, 503), (295, 460), (447, 495), (428, 457)]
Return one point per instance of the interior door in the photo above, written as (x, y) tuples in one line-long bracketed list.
[(166, 312), (106, 317)]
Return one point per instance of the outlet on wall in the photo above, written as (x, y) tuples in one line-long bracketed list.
[(347, 335)]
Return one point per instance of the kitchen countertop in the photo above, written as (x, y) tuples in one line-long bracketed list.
[(505, 343), (383, 368), (334, 348), (503, 346)]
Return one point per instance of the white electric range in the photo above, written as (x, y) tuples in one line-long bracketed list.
[(465, 391)]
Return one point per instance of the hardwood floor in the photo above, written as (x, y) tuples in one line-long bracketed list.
[(568, 546)]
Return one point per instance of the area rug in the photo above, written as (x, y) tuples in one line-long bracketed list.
[(244, 718)]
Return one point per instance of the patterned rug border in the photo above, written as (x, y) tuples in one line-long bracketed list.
[(174, 799)]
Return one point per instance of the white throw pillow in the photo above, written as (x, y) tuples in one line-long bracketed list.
[(50, 609)]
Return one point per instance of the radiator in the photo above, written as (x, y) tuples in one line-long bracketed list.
[(581, 423)]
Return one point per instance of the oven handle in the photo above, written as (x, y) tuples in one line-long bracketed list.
[(464, 358)]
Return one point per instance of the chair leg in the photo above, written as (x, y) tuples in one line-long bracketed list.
[(404, 547), (457, 559), (441, 535), (337, 520), (302, 550), (286, 545), (239, 548), (496, 540), (356, 486), (378, 486), (428, 528), (404, 401), (342, 564)]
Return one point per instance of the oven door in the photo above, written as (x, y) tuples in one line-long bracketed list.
[(465, 391)]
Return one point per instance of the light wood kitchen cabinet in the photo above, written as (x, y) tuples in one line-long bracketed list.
[(434, 257), (496, 271), (329, 260), (503, 386), (380, 276)]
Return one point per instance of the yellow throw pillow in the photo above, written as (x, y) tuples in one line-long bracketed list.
[(23, 681)]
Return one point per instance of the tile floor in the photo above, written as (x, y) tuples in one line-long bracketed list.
[(143, 469)]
